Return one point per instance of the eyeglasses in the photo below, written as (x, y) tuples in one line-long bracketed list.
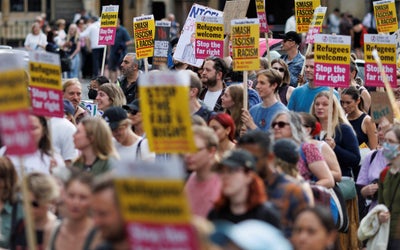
[(35, 204), (279, 69), (133, 112), (280, 124)]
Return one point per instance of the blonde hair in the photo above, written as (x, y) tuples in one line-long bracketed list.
[(100, 136), (115, 93), (338, 115), (43, 187), (70, 82), (69, 35), (287, 168)]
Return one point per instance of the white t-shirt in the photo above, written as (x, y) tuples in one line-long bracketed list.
[(131, 153), (32, 41), (62, 132), (210, 99)]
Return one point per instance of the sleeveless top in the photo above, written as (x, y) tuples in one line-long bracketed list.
[(282, 91), (88, 241), (356, 124)]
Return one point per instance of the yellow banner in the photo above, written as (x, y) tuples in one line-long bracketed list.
[(304, 11), (166, 118), (385, 16), (245, 46), (332, 53), (152, 200), (45, 75), (386, 52), (144, 32), (14, 90), (209, 31), (260, 6), (109, 19)]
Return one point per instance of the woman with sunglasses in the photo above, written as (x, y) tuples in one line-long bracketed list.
[(284, 89), (43, 191), (312, 165)]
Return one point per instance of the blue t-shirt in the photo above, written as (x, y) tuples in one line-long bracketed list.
[(302, 98), (262, 116)]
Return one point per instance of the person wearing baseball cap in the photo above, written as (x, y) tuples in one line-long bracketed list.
[(129, 145), (293, 58), (243, 193), (135, 115)]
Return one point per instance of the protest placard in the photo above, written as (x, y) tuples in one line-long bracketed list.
[(304, 11), (332, 60), (161, 43), (209, 37), (397, 39), (45, 84), (316, 24), (185, 49), (155, 208), (164, 97), (236, 9), (245, 45), (108, 24), (386, 47), (380, 106), (15, 126), (144, 32), (262, 17), (385, 16)]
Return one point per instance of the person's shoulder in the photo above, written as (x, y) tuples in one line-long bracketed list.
[(256, 107)]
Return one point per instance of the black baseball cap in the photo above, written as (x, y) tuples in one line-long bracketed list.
[(114, 115), (287, 150), (133, 106), (238, 158), (293, 36)]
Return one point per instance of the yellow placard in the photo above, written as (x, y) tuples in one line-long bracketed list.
[(387, 52), (152, 200), (260, 6), (332, 53), (385, 16), (144, 32), (304, 11), (166, 118), (209, 31), (14, 90), (245, 45), (109, 19), (45, 75)]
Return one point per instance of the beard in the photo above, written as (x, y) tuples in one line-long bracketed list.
[(210, 82)]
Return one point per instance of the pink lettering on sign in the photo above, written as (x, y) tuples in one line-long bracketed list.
[(107, 35), (262, 17), (47, 102), (311, 34), (206, 48), (331, 75), (15, 129), (373, 76)]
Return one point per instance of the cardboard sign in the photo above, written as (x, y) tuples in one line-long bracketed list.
[(209, 37), (316, 24), (144, 29), (45, 84), (304, 11), (397, 38), (262, 17), (380, 106), (245, 45), (234, 10), (184, 53), (155, 207), (386, 47), (166, 116), (385, 16), (15, 127), (332, 60), (108, 25), (161, 43)]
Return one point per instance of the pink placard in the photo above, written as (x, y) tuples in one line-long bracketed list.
[(107, 35), (373, 75), (206, 48), (16, 133), (47, 102), (331, 75), (262, 17)]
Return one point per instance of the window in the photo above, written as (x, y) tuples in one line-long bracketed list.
[(34, 5), (17, 5)]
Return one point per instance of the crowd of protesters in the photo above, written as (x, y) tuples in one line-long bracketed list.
[(274, 167)]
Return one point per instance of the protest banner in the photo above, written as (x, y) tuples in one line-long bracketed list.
[(155, 207), (108, 29), (209, 37), (380, 106), (161, 44), (166, 115), (236, 9), (108, 24), (245, 36), (45, 84), (386, 47), (332, 60), (385, 16), (304, 11), (262, 17), (316, 25), (144, 33), (397, 38), (185, 49)]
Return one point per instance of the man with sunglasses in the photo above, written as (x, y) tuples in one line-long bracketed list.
[(293, 58)]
